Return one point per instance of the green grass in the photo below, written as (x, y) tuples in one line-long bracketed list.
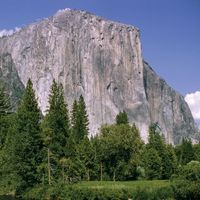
[(104, 190), (143, 189), (123, 184)]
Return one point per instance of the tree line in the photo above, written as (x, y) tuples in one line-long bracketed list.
[(56, 148)]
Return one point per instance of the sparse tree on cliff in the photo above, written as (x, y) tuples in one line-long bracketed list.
[(121, 118)]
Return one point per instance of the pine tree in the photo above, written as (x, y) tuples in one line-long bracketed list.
[(157, 142), (74, 121), (155, 139), (74, 113), (9, 179), (186, 152), (56, 132), (173, 163), (5, 110), (28, 143), (152, 163), (57, 119), (80, 120), (121, 118), (8, 176)]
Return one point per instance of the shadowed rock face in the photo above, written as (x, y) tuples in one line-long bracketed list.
[(102, 61), (9, 79), (168, 108)]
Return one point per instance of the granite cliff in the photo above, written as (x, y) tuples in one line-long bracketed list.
[(102, 60)]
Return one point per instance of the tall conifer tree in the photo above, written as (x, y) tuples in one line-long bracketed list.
[(186, 151), (28, 145), (57, 119), (7, 171), (157, 142), (56, 132), (74, 120), (80, 120), (83, 121), (5, 110)]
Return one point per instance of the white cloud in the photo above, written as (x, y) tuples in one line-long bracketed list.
[(193, 101), (63, 10), (5, 32)]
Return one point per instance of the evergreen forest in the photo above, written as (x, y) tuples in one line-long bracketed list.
[(51, 155)]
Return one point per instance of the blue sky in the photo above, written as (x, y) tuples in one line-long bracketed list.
[(170, 30)]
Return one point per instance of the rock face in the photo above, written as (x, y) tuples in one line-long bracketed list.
[(168, 108), (101, 60), (9, 79)]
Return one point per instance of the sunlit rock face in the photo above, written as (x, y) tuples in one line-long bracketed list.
[(101, 60)]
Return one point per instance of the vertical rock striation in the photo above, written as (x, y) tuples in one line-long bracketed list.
[(168, 108), (101, 60)]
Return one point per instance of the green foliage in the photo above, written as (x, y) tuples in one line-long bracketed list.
[(140, 173), (86, 155), (153, 190), (56, 132), (120, 147), (82, 152), (196, 148), (152, 163), (98, 149), (74, 120), (82, 118), (165, 152), (27, 141), (57, 121), (185, 152), (121, 118), (79, 120), (8, 176), (171, 160), (187, 182), (5, 110), (55, 154), (5, 106)]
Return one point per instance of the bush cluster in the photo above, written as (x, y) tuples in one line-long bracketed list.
[(186, 184)]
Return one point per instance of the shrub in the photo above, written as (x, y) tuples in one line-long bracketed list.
[(186, 185)]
